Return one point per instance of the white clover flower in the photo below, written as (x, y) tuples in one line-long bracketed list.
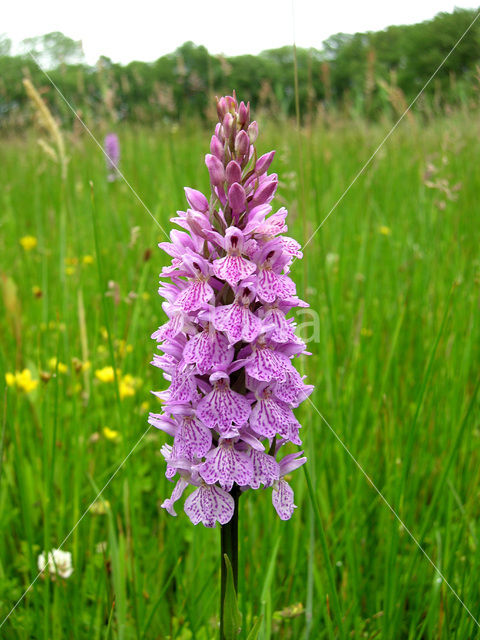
[(58, 562)]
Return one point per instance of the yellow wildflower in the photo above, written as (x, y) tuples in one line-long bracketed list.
[(129, 379), (52, 364), (28, 242), (111, 434), (125, 390), (25, 382), (105, 375), (366, 333), (10, 379), (144, 407), (385, 231), (127, 386), (69, 271), (22, 379), (87, 259)]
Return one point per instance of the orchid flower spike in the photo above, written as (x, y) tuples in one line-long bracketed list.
[(227, 347)]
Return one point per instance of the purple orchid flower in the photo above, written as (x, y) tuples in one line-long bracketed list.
[(112, 151), (228, 348)]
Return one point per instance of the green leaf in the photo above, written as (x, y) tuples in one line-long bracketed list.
[(232, 618), (253, 635)]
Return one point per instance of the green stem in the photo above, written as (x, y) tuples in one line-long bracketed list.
[(229, 545)]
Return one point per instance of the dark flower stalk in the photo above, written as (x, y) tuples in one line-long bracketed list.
[(228, 347)]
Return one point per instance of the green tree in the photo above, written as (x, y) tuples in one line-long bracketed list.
[(54, 49)]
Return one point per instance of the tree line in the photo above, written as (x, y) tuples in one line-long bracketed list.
[(363, 73)]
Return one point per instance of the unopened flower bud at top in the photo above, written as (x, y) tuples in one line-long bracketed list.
[(237, 199), (228, 125), (265, 191), (252, 131), (225, 105), (216, 148), (196, 199), (215, 169), (222, 108), (219, 132), (233, 172), (264, 162), (242, 143), (196, 222), (243, 114)]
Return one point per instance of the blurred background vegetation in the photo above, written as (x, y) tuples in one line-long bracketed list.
[(367, 74)]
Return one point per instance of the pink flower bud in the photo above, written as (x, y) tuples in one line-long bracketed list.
[(227, 125), (233, 172), (264, 162), (237, 199), (196, 200), (221, 108), (198, 223), (243, 114), (219, 133), (226, 105), (215, 169), (253, 132), (265, 192), (242, 143), (216, 148)]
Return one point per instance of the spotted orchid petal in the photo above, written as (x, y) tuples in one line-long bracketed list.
[(223, 409), (226, 465), (197, 294), (282, 498), (265, 469), (208, 349), (192, 438), (209, 504), (269, 417), (176, 495), (238, 322), (272, 286), (266, 364), (233, 269)]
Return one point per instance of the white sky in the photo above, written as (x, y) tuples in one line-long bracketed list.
[(145, 30)]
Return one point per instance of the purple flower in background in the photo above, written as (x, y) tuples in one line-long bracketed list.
[(112, 149), (228, 348)]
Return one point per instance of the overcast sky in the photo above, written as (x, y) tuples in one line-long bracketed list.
[(145, 30)]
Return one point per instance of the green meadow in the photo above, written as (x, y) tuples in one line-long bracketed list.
[(393, 281)]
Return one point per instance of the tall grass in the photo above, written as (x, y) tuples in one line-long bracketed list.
[(394, 277)]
